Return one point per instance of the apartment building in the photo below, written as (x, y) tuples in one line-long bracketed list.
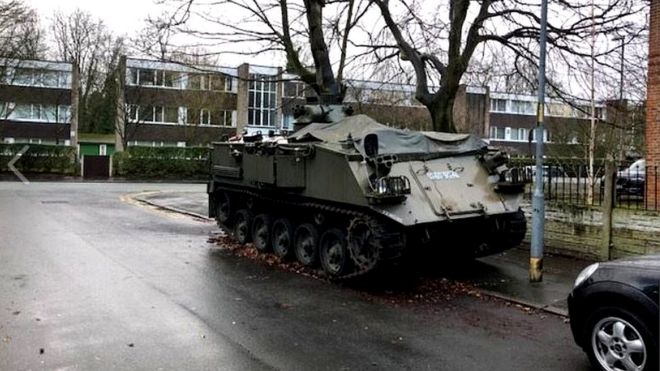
[(38, 102), (512, 122), (171, 104)]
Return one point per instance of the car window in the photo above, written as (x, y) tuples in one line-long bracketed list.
[(639, 164)]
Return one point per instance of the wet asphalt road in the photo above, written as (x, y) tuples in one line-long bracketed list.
[(88, 281)]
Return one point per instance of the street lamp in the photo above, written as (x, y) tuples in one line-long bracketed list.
[(538, 201), (623, 51), (620, 119)]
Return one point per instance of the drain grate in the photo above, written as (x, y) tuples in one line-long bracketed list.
[(55, 202)]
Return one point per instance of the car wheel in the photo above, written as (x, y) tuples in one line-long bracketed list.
[(620, 340)]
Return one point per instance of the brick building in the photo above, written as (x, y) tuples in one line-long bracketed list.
[(37, 102), (653, 108)]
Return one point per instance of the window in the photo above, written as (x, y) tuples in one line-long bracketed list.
[(172, 114), (222, 118), (146, 113), (287, 122), (220, 82), (21, 112), (132, 76), (193, 117), (197, 81), (518, 134), (159, 78), (64, 80), (132, 113), (262, 99), (171, 79), (40, 77), (47, 112), (34, 112), (522, 107), (294, 89), (158, 113), (23, 76), (497, 133), (146, 77), (558, 109), (204, 117), (4, 110), (498, 105), (63, 114), (48, 78)]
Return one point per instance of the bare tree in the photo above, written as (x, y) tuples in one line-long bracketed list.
[(20, 33), (20, 39), (319, 29), (440, 47), (83, 40)]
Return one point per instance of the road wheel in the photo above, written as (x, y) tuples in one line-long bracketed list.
[(261, 228), (282, 238), (242, 224), (223, 208), (306, 244), (620, 340), (333, 254)]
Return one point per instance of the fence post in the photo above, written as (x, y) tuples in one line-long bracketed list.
[(607, 210)]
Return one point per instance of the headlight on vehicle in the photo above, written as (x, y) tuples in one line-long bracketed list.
[(392, 185), (586, 273)]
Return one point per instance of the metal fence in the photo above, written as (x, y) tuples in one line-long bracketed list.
[(570, 182)]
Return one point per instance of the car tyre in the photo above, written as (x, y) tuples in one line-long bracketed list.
[(618, 339)]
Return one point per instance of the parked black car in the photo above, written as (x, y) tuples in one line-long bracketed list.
[(614, 313), (630, 181)]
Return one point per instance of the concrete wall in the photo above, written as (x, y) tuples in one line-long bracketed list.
[(653, 100), (578, 231)]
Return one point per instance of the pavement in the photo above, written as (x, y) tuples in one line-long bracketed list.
[(92, 279), (504, 275)]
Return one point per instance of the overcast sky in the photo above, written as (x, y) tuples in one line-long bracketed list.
[(126, 18), (121, 16)]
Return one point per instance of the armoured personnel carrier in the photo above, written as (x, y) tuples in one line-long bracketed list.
[(349, 193)]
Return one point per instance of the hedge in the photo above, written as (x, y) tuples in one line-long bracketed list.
[(40, 158), (162, 162)]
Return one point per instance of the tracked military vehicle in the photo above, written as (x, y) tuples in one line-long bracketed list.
[(347, 193)]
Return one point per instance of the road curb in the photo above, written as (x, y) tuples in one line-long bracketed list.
[(136, 197), (546, 308)]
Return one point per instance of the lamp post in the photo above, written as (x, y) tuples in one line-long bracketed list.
[(538, 201), (621, 109), (623, 51)]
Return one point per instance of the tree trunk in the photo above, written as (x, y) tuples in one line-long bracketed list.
[(442, 113)]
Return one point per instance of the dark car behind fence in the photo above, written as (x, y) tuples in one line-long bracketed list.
[(569, 181)]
